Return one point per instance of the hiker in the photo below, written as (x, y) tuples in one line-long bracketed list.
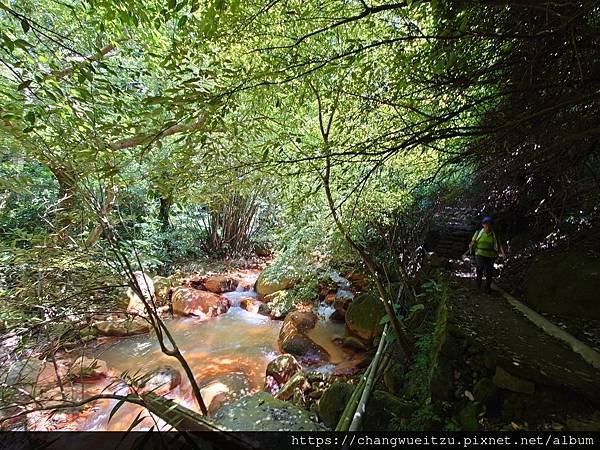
[(486, 246)]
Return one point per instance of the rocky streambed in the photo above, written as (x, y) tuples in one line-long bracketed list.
[(240, 346)]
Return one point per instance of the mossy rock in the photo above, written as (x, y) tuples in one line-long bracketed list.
[(333, 402), (280, 303), (382, 408), (270, 281), (484, 390), (263, 412), (363, 317), (468, 416), (162, 286), (565, 283)]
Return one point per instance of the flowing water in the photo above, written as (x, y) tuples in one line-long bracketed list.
[(227, 354)]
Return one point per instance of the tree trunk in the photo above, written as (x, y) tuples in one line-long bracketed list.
[(164, 214)]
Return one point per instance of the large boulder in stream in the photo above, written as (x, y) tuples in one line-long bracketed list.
[(203, 304), (293, 338), (220, 283), (159, 381), (87, 370), (263, 412), (363, 317), (269, 282), (122, 327)]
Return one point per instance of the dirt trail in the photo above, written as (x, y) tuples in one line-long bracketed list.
[(518, 345)]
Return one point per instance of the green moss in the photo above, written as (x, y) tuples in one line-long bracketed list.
[(263, 412), (364, 315), (333, 401)]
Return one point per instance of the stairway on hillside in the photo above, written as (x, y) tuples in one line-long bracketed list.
[(451, 230)]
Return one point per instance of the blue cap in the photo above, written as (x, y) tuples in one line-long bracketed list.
[(487, 219)]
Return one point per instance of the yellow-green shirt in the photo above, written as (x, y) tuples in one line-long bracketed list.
[(485, 244)]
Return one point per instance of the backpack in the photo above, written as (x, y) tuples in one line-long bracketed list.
[(478, 236)]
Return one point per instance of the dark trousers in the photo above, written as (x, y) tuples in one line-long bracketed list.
[(485, 266)]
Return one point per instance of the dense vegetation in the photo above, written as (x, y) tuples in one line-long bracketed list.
[(167, 133)]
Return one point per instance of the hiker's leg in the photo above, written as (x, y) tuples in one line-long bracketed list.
[(479, 270), (489, 273)]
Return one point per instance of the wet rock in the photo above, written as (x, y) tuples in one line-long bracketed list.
[(250, 304), (218, 401), (292, 338), (279, 371), (220, 283), (268, 283), (203, 304), (358, 280), (123, 327), (23, 372), (162, 289), (505, 380), (338, 317), (262, 412), (364, 315), (146, 285), (341, 306), (333, 402), (316, 394), (85, 369), (288, 390), (350, 366), (159, 381), (354, 343), (382, 407), (329, 298)]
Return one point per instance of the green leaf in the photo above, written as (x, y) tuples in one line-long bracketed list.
[(30, 117), (25, 25), (115, 409), (24, 85)]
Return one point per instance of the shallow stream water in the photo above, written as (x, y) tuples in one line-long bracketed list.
[(228, 355)]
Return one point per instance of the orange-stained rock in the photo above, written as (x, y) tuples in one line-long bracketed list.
[(330, 298), (250, 304), (293, 340), (87, 370), (204, 304), (220, 283)]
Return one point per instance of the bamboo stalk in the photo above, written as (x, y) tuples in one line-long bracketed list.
[(358, 398), (361, 407)]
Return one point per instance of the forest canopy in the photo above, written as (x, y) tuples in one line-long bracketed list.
[(194, 129)]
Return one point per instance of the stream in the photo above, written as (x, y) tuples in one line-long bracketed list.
[(227, 354)]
